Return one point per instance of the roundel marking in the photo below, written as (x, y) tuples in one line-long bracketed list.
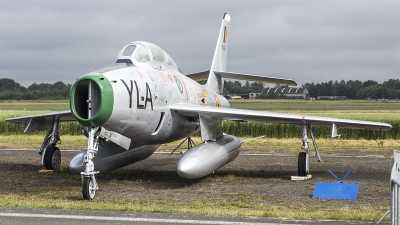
[(179, 84)]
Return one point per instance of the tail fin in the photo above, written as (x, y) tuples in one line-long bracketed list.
[(215, 82)]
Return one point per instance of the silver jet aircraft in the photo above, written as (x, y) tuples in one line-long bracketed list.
[(143, 101)]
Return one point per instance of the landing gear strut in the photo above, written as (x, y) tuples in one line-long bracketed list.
[(303, 165), (89, 183), (51, 156)]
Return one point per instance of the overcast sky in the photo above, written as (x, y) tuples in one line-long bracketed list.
[(308, 41)]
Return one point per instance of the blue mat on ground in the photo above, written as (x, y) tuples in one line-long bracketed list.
[(335, 191)]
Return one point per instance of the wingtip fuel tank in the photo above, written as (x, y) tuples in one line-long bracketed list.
[(205, 158)]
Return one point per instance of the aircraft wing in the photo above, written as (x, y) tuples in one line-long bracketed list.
[(41, 121), (241, 76), (194, 111)]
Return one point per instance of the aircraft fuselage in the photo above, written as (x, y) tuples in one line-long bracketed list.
[(133, 100)]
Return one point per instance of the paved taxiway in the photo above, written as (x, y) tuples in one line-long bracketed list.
[(69, 217)]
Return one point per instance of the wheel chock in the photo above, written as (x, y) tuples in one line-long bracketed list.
[(309, 176), (45, 171)]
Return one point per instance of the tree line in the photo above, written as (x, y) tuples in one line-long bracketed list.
[(236, 87), (353, 89), (11, 90)]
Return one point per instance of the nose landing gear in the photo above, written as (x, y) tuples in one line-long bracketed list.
[(89, 183)]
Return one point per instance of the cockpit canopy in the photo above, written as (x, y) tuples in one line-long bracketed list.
[(145, 52)]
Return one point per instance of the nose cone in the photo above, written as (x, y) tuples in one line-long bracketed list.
[(92, 99)]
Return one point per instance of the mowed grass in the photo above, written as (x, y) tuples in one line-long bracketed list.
[(37, 105), (300, 105), (9, 109), (200, 206)]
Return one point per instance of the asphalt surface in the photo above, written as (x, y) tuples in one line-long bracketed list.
[(69, 217), (263, 178)]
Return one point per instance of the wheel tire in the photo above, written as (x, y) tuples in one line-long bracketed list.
[(48, 155), (301, 164), (52, 158), (88, 189), (56, 160)]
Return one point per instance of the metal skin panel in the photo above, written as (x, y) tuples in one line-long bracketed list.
[(133, 114), (205, 158)]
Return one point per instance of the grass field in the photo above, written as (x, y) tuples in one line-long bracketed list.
[(274, 105), (305, 106), (388, 112)]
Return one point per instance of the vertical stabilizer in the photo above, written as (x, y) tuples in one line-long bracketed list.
[(215, 82)]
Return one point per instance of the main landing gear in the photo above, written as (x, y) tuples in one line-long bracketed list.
[(303, 164), (89, 184), (51, 156)]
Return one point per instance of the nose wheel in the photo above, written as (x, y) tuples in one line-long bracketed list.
[(89, 187), (89, 184)]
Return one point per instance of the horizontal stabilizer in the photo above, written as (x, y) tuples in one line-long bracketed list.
[(201, 76), (256, 78)]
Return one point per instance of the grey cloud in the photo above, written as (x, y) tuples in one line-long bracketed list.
[(309, 41)]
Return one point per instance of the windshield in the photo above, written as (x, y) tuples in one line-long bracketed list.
[(128, 50)]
